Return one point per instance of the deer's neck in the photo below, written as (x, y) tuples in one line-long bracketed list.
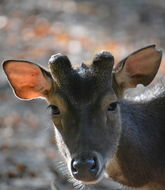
[(141, 153)]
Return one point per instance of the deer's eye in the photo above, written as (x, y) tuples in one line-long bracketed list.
[(112, 106), (54, 110)]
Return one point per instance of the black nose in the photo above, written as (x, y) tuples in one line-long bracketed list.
[(85, 167)]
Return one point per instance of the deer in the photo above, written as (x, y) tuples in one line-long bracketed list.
[(100, 131)]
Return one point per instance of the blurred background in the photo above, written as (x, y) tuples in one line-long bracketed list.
[(34, 30)]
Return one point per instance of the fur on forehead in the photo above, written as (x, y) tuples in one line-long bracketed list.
[(82, 82), (100, 69)]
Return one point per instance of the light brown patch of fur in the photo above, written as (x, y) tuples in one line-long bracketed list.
[(114, 171), (152, 186)]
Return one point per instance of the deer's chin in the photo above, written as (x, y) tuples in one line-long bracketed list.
[(92, 182), (98, 178)]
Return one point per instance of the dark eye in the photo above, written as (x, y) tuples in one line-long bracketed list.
[(54, 110), (112, 106)]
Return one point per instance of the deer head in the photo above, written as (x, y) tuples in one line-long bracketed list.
[(84, 102)]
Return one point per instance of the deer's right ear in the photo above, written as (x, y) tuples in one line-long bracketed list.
[(140, 67), (28, 79)]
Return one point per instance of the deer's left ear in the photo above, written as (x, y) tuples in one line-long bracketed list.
[(140, 67), (27, 79)]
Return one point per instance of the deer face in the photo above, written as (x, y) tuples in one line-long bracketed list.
[(84, 103), (86, 114)]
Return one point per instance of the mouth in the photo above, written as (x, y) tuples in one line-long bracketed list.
[(97, 178), (91, 182)]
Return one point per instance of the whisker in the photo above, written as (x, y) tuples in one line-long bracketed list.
[(61, 166)]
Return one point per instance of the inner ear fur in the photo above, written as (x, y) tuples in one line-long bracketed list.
[(27, 79), (140, 67)]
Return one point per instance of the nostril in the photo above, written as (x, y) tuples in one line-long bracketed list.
[(74, 166), (84, 165), (94, 164)]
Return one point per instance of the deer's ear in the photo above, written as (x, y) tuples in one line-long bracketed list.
[(27, 79), (140, 67)]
